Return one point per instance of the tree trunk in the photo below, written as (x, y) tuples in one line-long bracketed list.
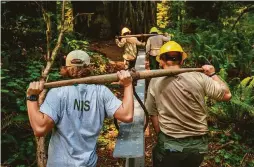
[(41, 154), (139, 16)]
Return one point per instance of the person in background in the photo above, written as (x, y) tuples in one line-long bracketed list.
[(153, 46), (77, 112), (130, 48), (177, 109)]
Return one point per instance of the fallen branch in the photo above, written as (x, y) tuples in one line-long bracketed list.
[(242, 161), (222, 146), (138, 35)]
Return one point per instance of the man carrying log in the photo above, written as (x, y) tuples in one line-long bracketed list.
[(130, 48), (153, 46), (177, 108), (77, 112)]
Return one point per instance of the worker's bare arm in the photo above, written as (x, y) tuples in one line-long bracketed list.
[(40, 122), (125, 112), (210, 71), (155, 122)]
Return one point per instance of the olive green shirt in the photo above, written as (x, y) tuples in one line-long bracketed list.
[(130, 47), (179, 102)]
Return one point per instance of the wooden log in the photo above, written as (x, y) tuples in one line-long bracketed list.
[(109, 78), (138, 35)]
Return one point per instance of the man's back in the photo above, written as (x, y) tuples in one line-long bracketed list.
[(130, 47), (180, 103), (154, 43), (78, 122)]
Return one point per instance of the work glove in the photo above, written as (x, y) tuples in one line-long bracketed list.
[(35, 88)]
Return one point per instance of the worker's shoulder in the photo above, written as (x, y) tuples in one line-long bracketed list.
[(190, 76), (155, 81), (132, 38), (59, 91), (78, 86), (156, 37)]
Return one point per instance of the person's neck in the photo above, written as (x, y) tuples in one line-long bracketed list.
[(172, 67)]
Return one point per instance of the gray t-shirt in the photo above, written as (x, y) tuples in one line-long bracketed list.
[(78, 113)]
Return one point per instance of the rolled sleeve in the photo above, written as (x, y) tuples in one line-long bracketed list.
[(148, 45), (121, 43), (51, 105), (166, 39), (111, 102), (214, 89), (150, 101)]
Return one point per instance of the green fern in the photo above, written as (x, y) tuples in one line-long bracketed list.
[(240, 105)]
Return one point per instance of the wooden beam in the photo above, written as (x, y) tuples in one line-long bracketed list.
[(109, 78)]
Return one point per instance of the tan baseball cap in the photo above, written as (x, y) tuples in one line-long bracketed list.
[(77, 58)]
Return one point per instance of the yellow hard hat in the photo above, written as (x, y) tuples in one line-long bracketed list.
[(154, 29), (171, 46), (124, 30)]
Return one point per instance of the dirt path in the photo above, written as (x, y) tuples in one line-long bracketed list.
[(108, 49)]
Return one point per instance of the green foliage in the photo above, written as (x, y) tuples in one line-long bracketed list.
[(231, 51), (162, 14), (239, 111), (21, 152), (228, 149), (204, 39), (72, 42), (17, 136)]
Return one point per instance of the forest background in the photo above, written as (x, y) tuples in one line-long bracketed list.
[(36, 35)]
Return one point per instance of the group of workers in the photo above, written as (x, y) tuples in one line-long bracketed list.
[(152, 47), (176, 105)]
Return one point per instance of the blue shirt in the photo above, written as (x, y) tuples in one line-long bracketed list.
[(78, 113)]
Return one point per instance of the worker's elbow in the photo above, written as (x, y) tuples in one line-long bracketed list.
[(128, 119), (40, 132), (227, 96)]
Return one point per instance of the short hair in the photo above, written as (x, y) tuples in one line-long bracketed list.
[(75, 72)]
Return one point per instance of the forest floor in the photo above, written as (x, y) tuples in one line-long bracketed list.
[(108, 49)]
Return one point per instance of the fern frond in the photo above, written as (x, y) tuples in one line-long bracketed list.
[(251, 84), (7, 120), (245, 82), (243, 106)]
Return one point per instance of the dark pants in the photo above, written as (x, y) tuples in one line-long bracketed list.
[(153, 63), (172, 158), (178, 159), (129, 64)]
